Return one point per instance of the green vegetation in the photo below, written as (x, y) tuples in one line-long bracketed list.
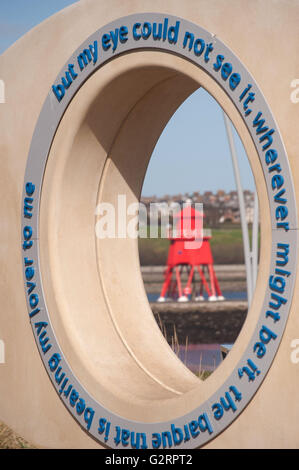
[(204, 374), (226, 243), (153, 251), (227, 246), (10, 440)]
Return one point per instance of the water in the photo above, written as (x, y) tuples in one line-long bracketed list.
[(230, 295), (203, 357)]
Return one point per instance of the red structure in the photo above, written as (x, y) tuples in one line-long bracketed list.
[(190, 250)]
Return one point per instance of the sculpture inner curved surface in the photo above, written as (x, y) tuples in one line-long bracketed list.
[(108, 361)]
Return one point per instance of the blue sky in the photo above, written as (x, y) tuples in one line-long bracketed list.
[(19, 16), (192, 153)]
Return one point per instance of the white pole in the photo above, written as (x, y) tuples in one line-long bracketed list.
[(255, 235), (247, 254)]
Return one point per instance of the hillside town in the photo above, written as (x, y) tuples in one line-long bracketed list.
[(219, 208)]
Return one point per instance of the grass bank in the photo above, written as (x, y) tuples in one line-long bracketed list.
[(226, 243), (10, 440)]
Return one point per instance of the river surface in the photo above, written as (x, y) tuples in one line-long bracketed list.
[(199, 357), (230, 295), (202, 357)]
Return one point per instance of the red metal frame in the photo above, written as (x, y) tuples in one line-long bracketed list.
[(193, 252)]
